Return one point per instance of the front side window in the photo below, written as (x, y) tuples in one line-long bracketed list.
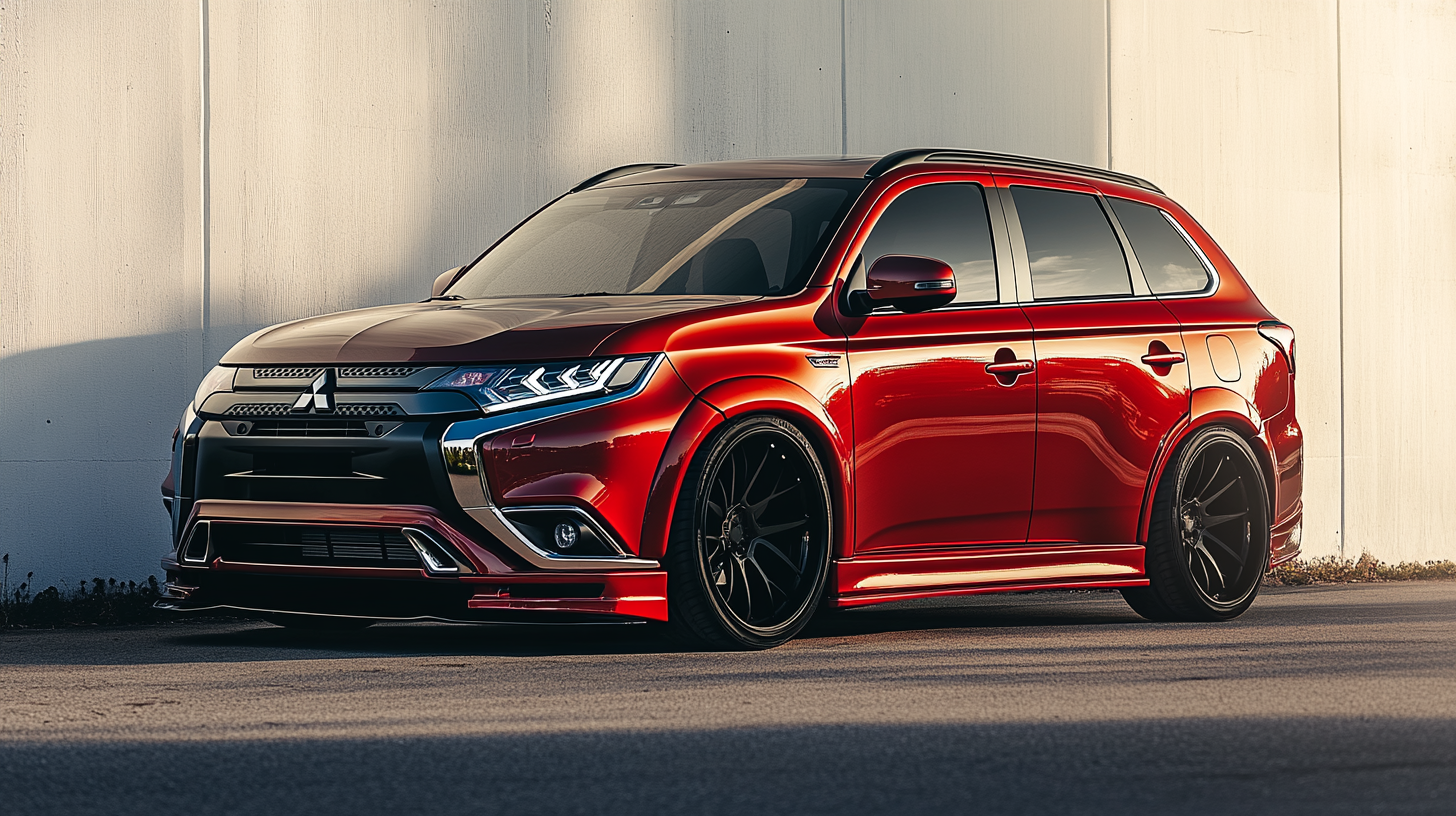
[(947, 222), (1169, 263), (1071, 246), (720, 237)]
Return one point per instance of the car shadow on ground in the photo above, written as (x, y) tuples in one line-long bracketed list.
[(407, 638)]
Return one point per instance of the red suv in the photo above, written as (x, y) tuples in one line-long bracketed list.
[(727, 395)]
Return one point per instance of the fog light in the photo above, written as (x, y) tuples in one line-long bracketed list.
[(566, 535)]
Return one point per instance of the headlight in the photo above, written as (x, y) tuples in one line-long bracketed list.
[(220, 378), (507, 387)]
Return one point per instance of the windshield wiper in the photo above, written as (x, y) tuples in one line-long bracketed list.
[(447, 297), (593, 294)]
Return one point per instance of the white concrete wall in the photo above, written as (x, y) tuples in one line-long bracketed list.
[(1233, 109), (357, 148), (1398, 150), (100, 233)]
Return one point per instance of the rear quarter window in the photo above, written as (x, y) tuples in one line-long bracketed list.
[(1169, 263)]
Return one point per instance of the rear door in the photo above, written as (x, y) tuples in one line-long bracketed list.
[(1112, 381), (943, 449)]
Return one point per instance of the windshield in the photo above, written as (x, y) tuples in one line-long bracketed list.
[(725, 237)]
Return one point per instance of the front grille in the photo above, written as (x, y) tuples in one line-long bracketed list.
[(346, 409), (285, 373), (368, 409), (334, 428), (260, 409), (313, 545), (380, 371)]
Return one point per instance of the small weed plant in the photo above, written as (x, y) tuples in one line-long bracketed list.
[(1363, 570), (94, 602)]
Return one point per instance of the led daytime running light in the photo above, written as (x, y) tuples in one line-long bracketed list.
[(507, 387)]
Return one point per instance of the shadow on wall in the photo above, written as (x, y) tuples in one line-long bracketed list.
[(85, 440)]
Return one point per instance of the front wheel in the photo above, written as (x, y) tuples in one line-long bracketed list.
[(1208, 543), (749, 552)]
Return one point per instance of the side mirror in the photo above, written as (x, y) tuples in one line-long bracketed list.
[(443, 282), (909, 283)]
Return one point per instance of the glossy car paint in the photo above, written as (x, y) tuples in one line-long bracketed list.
[(946, 478)]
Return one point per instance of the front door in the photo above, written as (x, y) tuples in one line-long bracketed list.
[(943, 448), (1111, 377)]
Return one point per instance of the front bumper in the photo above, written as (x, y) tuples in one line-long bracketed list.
[(402, 522), (491, 591)]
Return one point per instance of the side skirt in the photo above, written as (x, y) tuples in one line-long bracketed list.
[(900, 576)]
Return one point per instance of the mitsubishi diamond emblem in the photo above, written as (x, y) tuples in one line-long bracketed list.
[(320, 394)]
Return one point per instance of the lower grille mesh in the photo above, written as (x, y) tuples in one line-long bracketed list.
[(313, 545)]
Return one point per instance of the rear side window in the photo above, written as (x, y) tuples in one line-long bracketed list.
[(947, 222), (1073, 251), (1169, 263)]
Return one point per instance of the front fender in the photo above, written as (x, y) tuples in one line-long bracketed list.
[(732, 399)]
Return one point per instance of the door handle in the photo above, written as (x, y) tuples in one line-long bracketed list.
[(1013, 367), (1165, 359)]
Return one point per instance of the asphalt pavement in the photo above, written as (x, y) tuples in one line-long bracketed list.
[(1329, 700)]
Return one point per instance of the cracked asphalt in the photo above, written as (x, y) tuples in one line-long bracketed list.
[(1328, 700)]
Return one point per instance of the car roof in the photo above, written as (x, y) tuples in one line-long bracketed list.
[(848, 167)]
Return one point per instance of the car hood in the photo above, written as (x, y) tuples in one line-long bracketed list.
[(443, 331)]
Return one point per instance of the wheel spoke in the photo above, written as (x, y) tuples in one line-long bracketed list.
[(1214, 521), (1206, 484), (747, 590), (712, 505), (770, 584), (1215, 539), (1214, 497), (754, 478), (770, 529), (763, 542), (1210, 562), (757, 508)]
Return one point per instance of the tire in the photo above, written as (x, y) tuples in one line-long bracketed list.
[(317, 623), (1208, 541), (748, 556)]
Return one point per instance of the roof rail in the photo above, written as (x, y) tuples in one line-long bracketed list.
[(922, 154), (618, 172)]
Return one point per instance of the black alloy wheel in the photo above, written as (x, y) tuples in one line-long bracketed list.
[(750, 544), (1208, 544)]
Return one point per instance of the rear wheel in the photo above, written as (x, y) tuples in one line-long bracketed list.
[(1208, 543), (751, 535)]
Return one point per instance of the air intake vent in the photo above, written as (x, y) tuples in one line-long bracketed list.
[(310, 427), (285, 373), (380, 371), (313, 545)]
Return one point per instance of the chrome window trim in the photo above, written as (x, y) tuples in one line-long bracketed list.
[(460, 446)]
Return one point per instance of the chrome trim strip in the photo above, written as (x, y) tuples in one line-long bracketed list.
[(460, 445), (567, 508), (248, 474), (425, 545), (493, 520)]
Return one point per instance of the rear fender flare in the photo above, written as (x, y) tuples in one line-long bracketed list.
[(1210, 407)]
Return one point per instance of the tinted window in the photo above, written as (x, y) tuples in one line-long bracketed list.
[(947, 222), (738, 237), (1072, 248), (1169, 264)]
